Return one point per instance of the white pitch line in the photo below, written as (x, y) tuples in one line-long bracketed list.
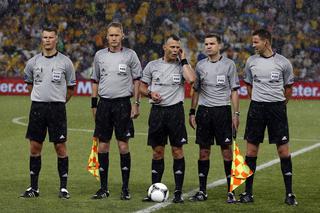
[(223, 181), (19, 122)]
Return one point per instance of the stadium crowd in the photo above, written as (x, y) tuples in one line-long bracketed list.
[(294, 24)]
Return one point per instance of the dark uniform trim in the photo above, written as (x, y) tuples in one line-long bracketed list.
[(273, 54), (50, 56), (236, 88)]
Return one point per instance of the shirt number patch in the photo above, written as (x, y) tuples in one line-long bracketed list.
[(122, 69), (221, 79), (56, 75), (176, 78), (275, 75)]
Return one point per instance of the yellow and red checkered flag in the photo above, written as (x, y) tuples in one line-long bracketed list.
[(240, 171), (93, 164)]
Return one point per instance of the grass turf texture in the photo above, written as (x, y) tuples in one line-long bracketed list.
[(304, 119)]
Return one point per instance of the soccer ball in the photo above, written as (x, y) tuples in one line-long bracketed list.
[(158, 192)]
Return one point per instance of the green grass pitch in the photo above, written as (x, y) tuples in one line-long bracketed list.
[(304, 119)]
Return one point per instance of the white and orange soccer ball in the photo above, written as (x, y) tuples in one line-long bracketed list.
[(158, 192)]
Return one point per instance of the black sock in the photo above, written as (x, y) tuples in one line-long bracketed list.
[(203, 170), (252, 163), (125, 163), (227, 171), (157, 170), (63, 167), (103, 159), (178, 169), (286, 168), (34, 167)]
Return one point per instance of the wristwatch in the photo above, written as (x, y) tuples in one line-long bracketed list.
[(137, 102)]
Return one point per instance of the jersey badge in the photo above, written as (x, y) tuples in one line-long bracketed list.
[(221, 79), (176, 78), (122, 69)]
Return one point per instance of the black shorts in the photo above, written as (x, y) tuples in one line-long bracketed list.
[(271, 115), (214, 122), (164, 122), (47, 115), (114, 114)]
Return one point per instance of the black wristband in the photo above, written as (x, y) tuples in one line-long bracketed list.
[(192, 112), (184, 62), (94, 102), (149, 94)]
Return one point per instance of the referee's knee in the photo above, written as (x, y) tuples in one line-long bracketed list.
[(158, 153), (61, 150), (177, 152), (204, 154)]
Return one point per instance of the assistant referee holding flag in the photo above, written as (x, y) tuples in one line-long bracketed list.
[(115, 78), (216, 88)]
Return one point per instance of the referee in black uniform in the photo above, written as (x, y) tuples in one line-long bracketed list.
[(51, 78), (269, 78), (163, 82), (215, 89), (115, 79)]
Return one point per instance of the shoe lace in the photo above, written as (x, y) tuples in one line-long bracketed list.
[(231, 196), (31, 193), (101, 192), (200, 195)]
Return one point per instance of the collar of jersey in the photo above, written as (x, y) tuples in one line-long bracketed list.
[(216, 60), (163, 61), (114, 52), (50, 56), (269, 56)]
